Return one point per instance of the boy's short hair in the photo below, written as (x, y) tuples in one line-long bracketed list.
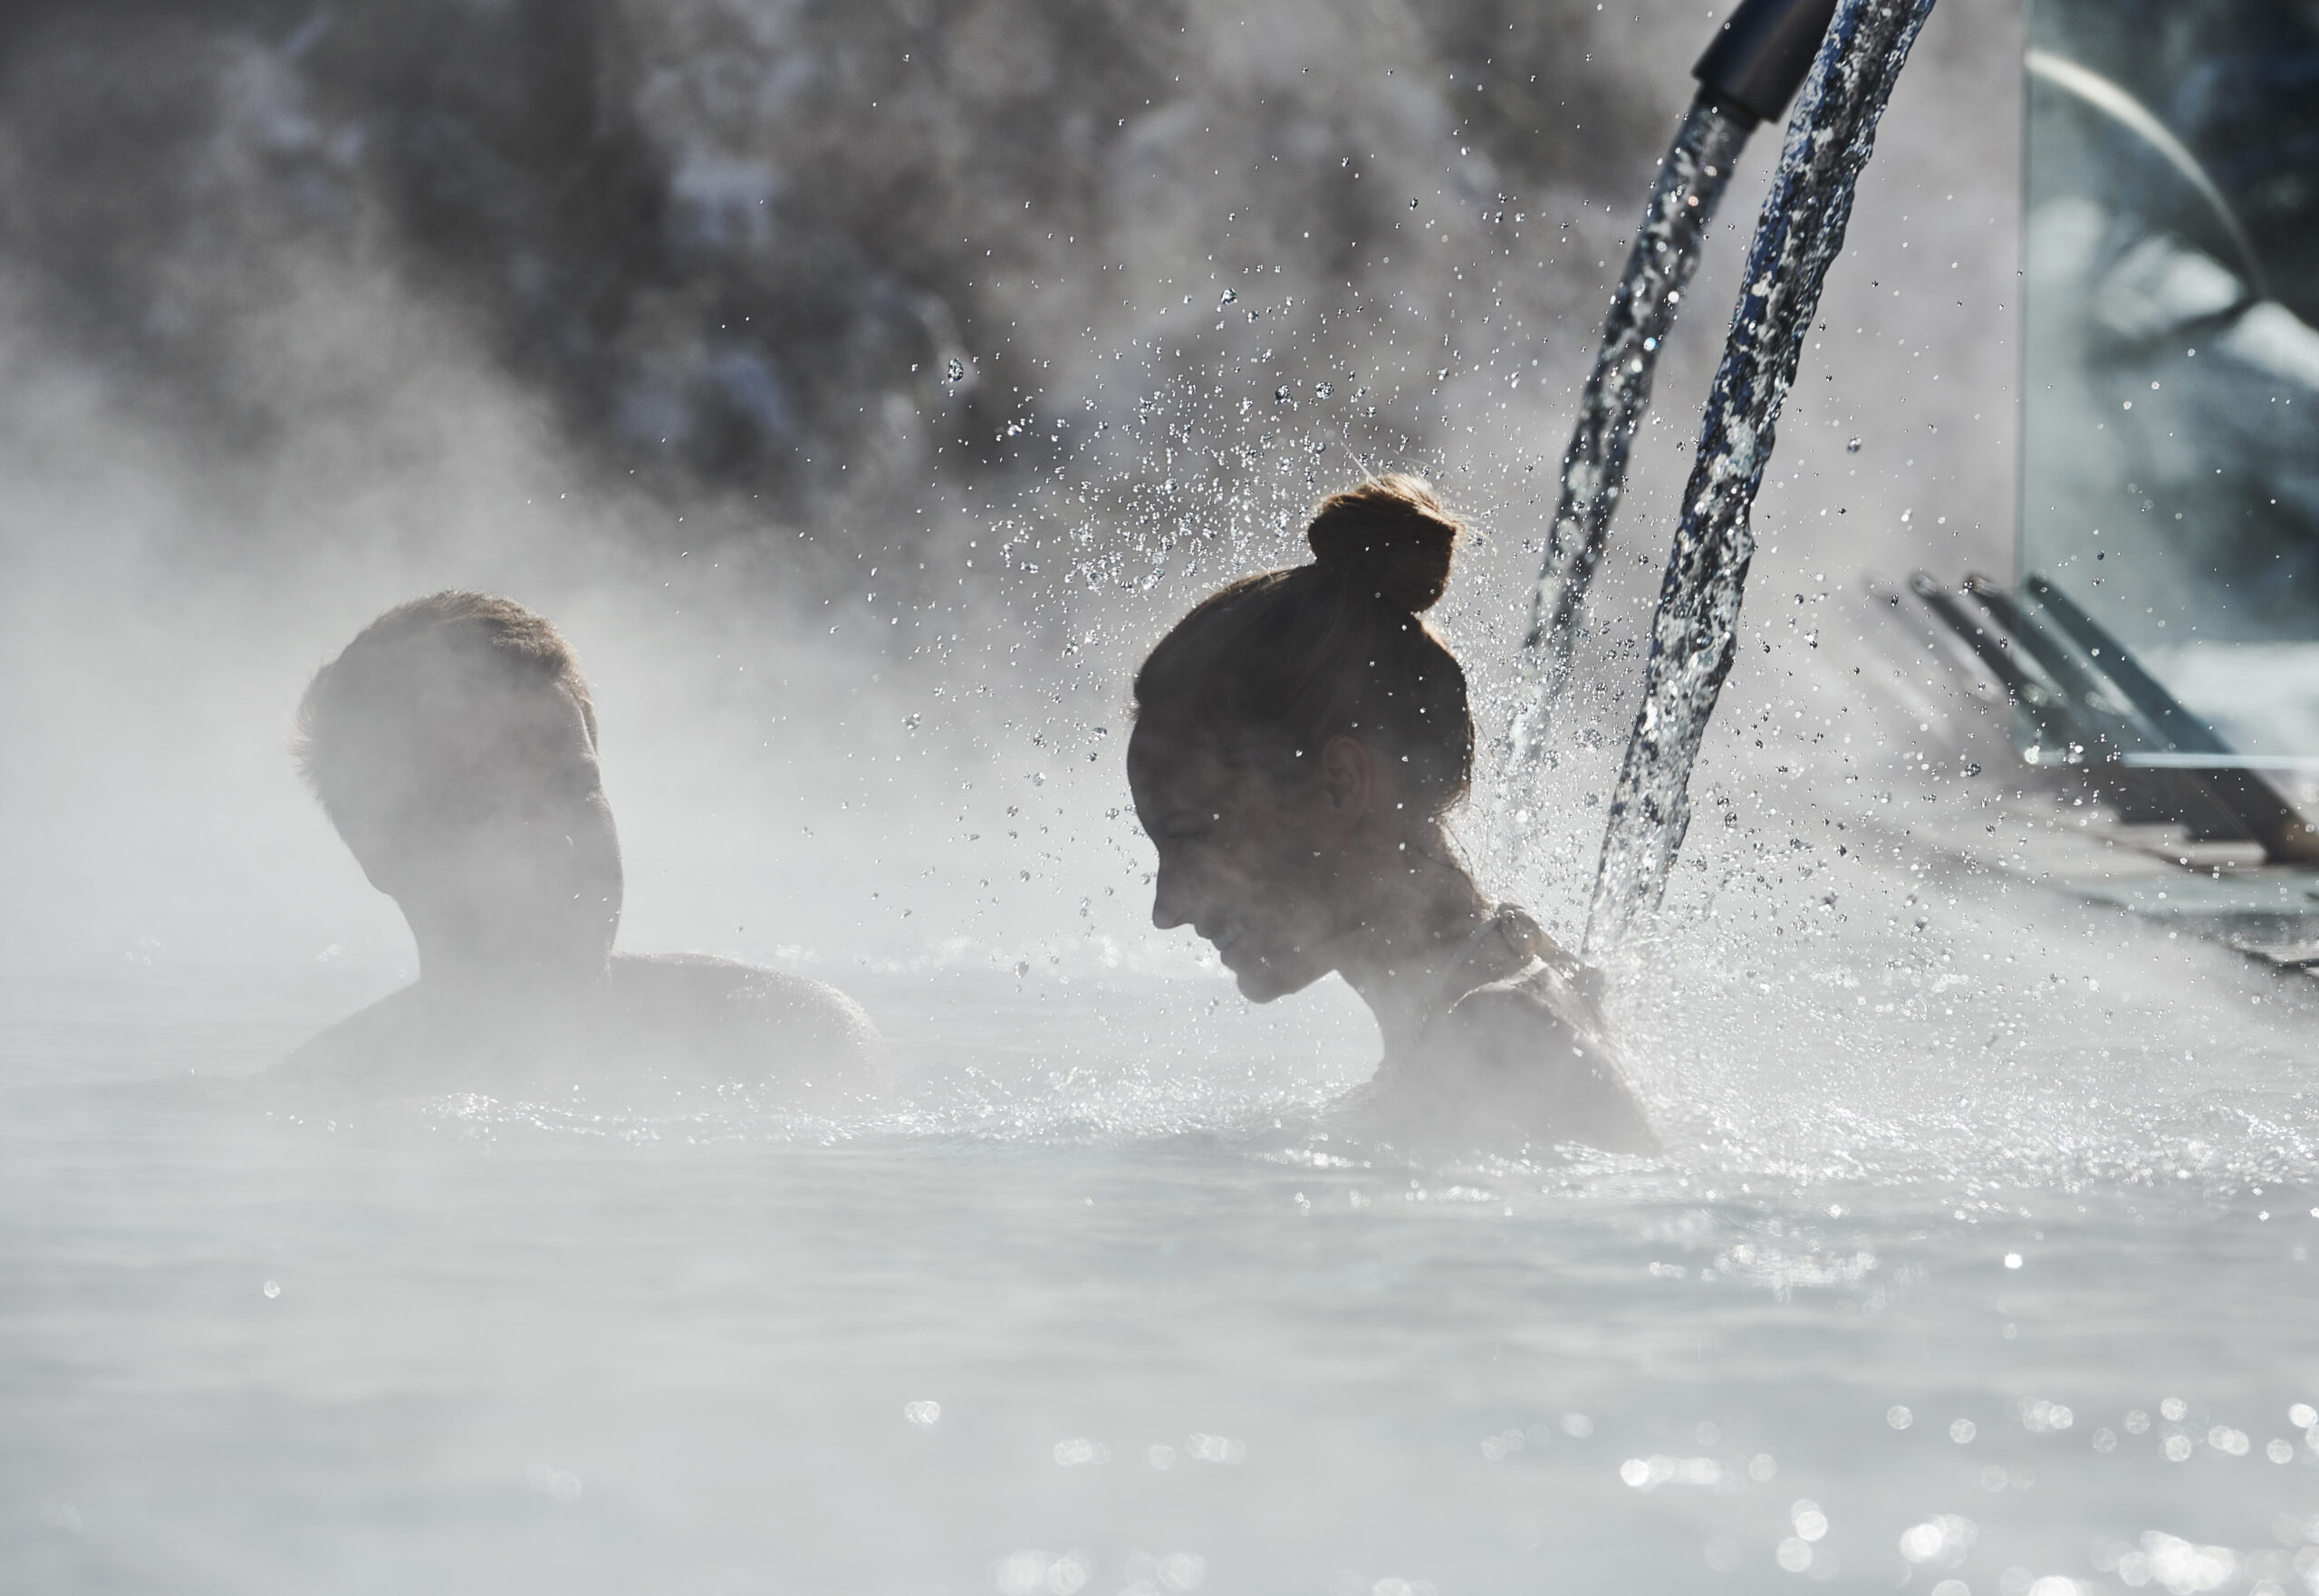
[(372, 713)]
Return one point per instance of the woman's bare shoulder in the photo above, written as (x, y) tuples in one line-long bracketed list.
[(1537, 1044)]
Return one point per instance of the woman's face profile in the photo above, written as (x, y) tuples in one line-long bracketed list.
[(1252, 864)]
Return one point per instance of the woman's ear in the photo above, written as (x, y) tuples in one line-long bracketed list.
[(1348, 780)]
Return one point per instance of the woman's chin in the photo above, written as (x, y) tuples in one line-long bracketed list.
[(1263, 984)]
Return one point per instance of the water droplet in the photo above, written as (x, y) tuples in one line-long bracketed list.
[(1852, 445), (957, 370), (272, 1288)]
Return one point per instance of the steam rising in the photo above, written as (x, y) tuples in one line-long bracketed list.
[(616, 310), (308, 311)]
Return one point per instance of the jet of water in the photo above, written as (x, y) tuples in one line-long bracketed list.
[(1643, 306), (1830, 138), (1747, 75)]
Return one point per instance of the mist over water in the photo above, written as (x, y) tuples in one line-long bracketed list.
[(273, 380), (863, 389)]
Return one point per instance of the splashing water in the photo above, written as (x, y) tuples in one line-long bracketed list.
[(1643, 307), (1829, 140)]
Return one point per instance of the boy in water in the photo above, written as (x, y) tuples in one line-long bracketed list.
[(453, 744)]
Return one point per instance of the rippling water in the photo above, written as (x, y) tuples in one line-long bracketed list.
[(1983, 1255)]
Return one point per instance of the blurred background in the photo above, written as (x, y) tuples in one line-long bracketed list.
[(2170, 415), (863, 387)]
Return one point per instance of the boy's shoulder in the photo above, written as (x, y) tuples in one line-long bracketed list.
[(393, 1028), (767, 1022)]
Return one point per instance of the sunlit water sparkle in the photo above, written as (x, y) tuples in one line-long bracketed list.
[(1106, 1299)]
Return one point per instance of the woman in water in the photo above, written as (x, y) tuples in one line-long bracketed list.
[(1299, 737)]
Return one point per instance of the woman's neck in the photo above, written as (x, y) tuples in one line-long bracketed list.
[(1417, 924)]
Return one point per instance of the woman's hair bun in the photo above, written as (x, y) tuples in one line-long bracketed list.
[(1390, 536)]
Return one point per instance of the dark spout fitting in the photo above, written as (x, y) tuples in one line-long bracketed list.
[(1762, 56)]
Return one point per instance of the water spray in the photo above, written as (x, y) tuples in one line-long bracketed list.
[(1747, 75), (1830, 138)]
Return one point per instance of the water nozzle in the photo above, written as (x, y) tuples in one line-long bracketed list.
[(1763, 54)]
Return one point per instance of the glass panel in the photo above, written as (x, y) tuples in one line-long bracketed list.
[(2170, 393)]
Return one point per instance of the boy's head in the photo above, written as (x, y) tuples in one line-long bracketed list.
[(453, 745)]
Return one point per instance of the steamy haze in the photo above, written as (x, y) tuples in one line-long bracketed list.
[(862, 388)]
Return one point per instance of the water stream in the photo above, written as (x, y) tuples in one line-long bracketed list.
[(1830, 138), (1643, 307)]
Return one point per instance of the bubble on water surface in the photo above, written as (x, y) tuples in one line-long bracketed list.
[(2178, 1448), (1079, 1452), (1811, 1523), (2173, 1409), (2040, 1415), (1182, 1570), (1648, 1473), (1963, 1431), (1899, 1418), (272, 1288), (1940, 1541), (559, 1483), (1033, 1572), (1578, 1425), (922, 1413), (2302, 1415), (1216, 1448), (2181, 1567)]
